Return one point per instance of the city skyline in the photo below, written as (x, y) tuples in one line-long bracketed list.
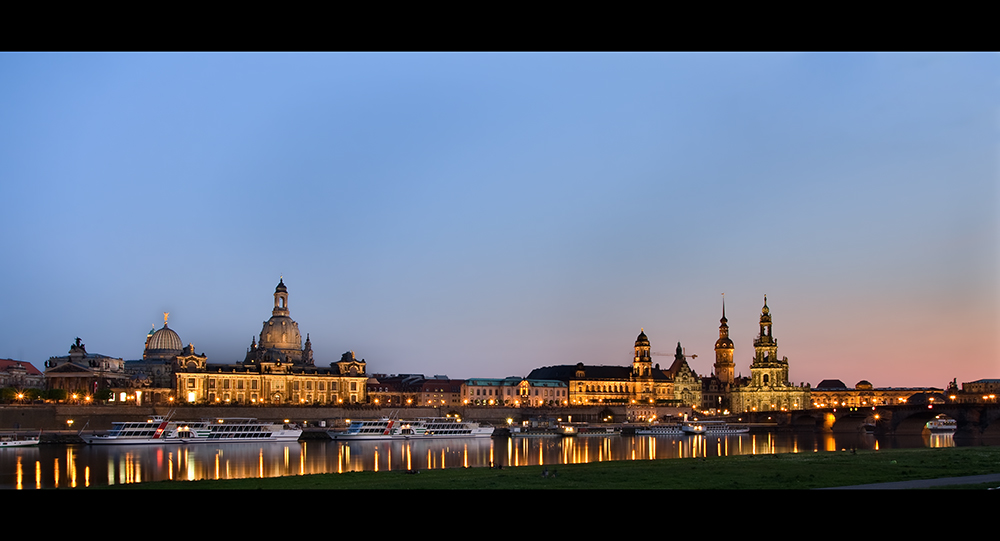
[(481, 215)]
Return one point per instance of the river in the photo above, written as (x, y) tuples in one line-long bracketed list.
[(79, 466)]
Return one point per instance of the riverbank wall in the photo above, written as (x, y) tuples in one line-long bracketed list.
[(100, 416)]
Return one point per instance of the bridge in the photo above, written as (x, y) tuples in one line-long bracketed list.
[(972, 419)]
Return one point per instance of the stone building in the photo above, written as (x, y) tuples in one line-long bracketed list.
[(717, 387), (20, 375), (154, 376), (85, 372), (642, 383), (833, 393), (515, 392), (768, 388), (277, 369)]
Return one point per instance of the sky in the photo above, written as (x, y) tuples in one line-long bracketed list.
[(484, 214)]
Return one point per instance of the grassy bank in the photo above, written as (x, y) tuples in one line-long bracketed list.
[(789, 471)]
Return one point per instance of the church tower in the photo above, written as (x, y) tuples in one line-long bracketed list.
[(767, 369), (280, 340), (725, 367), (642, 364)]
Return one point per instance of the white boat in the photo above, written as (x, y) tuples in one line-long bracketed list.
[(425, 428), (942, 425), (660, 430), (159, 429), (693, 428), (713, 428), (18, 440)]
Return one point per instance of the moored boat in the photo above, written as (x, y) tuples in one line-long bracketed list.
[(425, 428), (673, 429), (18, 440), (713, 428), (942, 425), (159, 429)]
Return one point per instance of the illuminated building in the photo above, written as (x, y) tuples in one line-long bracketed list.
[(515, 392), (832, 393), (277, 370), (86, 372), (441, 392), (642, 383), (768, 388)]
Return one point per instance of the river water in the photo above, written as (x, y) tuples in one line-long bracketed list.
[(79, 466)]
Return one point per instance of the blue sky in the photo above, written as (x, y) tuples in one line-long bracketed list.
[(479, 215)]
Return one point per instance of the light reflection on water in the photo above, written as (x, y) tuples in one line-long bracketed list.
[(76, 466)]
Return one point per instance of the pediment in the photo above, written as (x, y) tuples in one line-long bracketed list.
[(69, 368)]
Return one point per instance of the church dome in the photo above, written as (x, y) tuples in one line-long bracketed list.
[(641, 340), (163, 344), (281, 332), (724, 343)]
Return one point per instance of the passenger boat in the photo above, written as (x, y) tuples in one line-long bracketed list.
[(584, 430), (721, 428), (425, 428), (713, 428), (692, 428), (18, 440), (660, 430), (942, 425), (159, 429)]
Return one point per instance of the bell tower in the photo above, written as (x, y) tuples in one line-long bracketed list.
[(767, 369), (725, 367), (642, 364)]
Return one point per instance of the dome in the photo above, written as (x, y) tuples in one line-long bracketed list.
[(163, 344), (281, 332), (641, 340), (281, 286), (724, 343)]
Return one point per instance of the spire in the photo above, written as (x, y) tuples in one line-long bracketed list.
[(724, 321)]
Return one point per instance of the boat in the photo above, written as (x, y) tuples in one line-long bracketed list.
[(159, 429), (584, 430), (713, 428), (692, 428), (424, 428), (673, 429), (942, 425), (18, 440)]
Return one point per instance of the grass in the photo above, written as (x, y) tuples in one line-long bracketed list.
[(786, 471)]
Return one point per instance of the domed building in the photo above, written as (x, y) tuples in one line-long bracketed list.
[(162, 355), (163, 344), (277, 369), (280, 339)]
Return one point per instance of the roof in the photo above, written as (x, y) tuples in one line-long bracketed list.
[(831, 384), (7, 364), (567, 372)]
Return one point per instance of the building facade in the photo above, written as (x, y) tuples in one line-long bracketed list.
[(277, 369), (85, 372), (642, 383), (768, 388)]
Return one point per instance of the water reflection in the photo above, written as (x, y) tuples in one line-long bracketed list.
[(78, 466)]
